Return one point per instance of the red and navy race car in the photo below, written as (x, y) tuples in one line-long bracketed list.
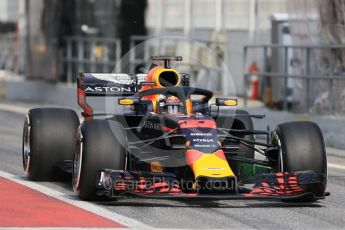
[(172, 142)]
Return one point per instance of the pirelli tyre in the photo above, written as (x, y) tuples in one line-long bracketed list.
[(101, 144), (302, 148), (48, 139)]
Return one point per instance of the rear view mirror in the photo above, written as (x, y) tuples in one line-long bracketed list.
[(128, 101), (226, 102)]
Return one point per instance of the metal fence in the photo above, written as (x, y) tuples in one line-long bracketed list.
[(202, 59), (319, 70), (9, 52), (88, 54)]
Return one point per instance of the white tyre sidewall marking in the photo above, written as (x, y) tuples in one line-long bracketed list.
[(26, 146), (80, 139)]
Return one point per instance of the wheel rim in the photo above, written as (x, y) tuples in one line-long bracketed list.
[(77, 162), (26, 146)]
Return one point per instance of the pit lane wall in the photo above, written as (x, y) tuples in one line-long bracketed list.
[(18, 88), (39, 91)]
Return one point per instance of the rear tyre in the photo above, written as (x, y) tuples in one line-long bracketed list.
[(48, 139), (101, 144), (302, 148)]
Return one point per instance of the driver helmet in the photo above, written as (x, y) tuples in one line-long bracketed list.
[(171, 105)]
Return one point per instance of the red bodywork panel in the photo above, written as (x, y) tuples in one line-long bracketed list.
[(84, 105), (191, 123)]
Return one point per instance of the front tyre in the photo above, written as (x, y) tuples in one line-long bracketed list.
[(302, 148), (101, 144)]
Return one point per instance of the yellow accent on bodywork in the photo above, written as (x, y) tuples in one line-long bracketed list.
[(210, 165), (230, 102), (156, 166), (189, 107), (126, 102)]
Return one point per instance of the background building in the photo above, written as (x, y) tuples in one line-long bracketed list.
[(56, 39), (9, 10)]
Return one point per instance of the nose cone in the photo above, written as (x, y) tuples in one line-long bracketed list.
[(208, 164), (211, 171)]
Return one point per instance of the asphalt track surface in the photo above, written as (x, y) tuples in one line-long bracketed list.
[(325, 214)]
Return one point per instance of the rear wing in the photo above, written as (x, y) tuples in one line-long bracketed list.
[(112, 84), (100, 84)]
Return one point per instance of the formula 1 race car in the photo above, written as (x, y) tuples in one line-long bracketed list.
[(172, 143)]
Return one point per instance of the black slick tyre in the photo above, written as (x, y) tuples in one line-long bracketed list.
[(302, 148), (101, 144), (48, 139)]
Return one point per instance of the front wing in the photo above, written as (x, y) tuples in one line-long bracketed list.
[(268, 186)]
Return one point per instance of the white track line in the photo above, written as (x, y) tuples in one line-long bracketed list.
[(55, 228), (14, 108), (336, 166), (126, 221)]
